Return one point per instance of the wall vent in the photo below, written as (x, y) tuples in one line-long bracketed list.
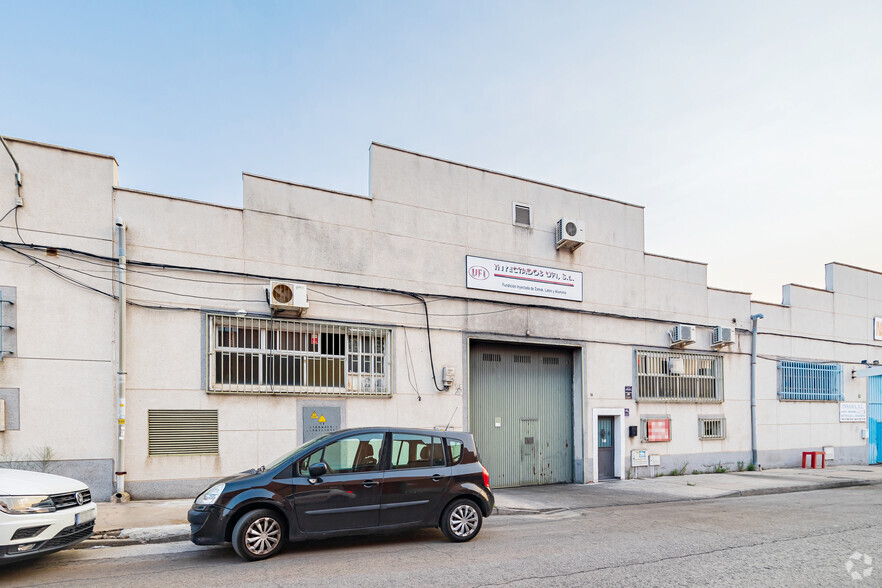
[(522, 359), (522, 215), (182, 432), (492, 357)]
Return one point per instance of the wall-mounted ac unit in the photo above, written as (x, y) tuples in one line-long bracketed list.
[(288, 296), (722, 336), (570, 233), (682, 335)]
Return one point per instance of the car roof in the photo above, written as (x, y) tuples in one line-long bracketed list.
[(407, 431)]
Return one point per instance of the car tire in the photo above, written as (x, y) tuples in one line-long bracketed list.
[(259, 534), (461, 520)]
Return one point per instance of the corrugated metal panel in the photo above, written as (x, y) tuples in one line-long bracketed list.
[(875, 417), (182, 432), (521, 412)]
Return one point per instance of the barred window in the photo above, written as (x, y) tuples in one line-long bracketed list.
[(799, 380), (279, 356), (711, 428), (670, 376)]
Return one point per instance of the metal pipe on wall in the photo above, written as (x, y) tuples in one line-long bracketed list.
[(121, 373), (753, 451)]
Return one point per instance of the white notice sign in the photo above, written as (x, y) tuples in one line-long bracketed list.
[(639, 458), (852, 412), (522, 278)]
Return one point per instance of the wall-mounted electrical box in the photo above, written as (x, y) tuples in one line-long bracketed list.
[(448, 375)]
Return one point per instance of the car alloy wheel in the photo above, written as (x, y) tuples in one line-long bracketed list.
[(461, 521), (258, 535)]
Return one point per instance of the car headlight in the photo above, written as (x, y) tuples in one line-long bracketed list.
[(26, 504), (210, 496)]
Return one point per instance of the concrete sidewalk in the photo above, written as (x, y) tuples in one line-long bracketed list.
[(156, 521)]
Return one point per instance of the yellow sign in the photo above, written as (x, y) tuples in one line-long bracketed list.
[(314, 415), (877, 328), (322, 419)]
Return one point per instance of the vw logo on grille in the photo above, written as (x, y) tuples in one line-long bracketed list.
[(79, 497)]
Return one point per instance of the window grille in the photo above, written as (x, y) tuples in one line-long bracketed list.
[(711, 428), (655, 429), (668, 376), (279, 356), (182, 432), (799, 380)]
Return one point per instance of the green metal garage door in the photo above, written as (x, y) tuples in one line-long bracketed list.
[(521, 412)]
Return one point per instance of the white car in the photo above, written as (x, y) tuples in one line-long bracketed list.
[(41, 513)]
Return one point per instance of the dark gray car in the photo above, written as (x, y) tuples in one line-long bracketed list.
[(349, 482)]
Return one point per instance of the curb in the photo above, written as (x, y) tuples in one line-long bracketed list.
[(114, 537), (106, 541), (668, 498)]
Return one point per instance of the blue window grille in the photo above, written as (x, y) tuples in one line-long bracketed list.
[(799, 380)]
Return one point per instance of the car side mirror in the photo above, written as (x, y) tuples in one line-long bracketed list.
[(317, 470)]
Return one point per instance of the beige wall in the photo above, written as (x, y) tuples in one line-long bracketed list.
[(412, 232)]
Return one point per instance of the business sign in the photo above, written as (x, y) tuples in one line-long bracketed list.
[(852, 412), (521, 278), (877, 328)]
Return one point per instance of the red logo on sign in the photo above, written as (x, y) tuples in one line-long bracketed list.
[(315, 339), (478, 272)]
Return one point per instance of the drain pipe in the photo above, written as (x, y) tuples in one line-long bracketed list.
[(121, 494), (753, 453)]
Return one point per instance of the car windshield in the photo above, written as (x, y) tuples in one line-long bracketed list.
[(290, 454)]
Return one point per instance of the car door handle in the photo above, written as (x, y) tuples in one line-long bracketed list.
[(369, 483), (437, 477)]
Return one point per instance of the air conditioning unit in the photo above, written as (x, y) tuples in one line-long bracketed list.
[(722, 336), (570, 233), (682, 335), (287, 296)]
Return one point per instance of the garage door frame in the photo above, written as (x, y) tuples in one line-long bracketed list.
[(578, 408)]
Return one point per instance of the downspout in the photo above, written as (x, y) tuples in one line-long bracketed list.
[(753, 452), (120, 473)]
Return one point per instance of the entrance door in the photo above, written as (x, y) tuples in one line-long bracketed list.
[(875, 418), (606, 448), (521, 412), (531, 446)]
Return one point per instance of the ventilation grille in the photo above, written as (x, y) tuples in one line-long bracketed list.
[(551, 361), (522, 359), (492, 357), (523, 215), (182, 432)]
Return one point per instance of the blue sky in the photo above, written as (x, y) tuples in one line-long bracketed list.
[(751, 131)]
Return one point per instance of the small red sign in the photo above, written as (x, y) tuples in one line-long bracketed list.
[(315, 339), (658, 430)]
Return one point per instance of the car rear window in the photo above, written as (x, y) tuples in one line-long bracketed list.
[(455, 447), (416, 451)]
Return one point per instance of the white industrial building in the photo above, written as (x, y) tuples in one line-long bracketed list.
[(448, 295)]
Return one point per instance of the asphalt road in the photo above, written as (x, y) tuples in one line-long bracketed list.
[(802, 539)]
